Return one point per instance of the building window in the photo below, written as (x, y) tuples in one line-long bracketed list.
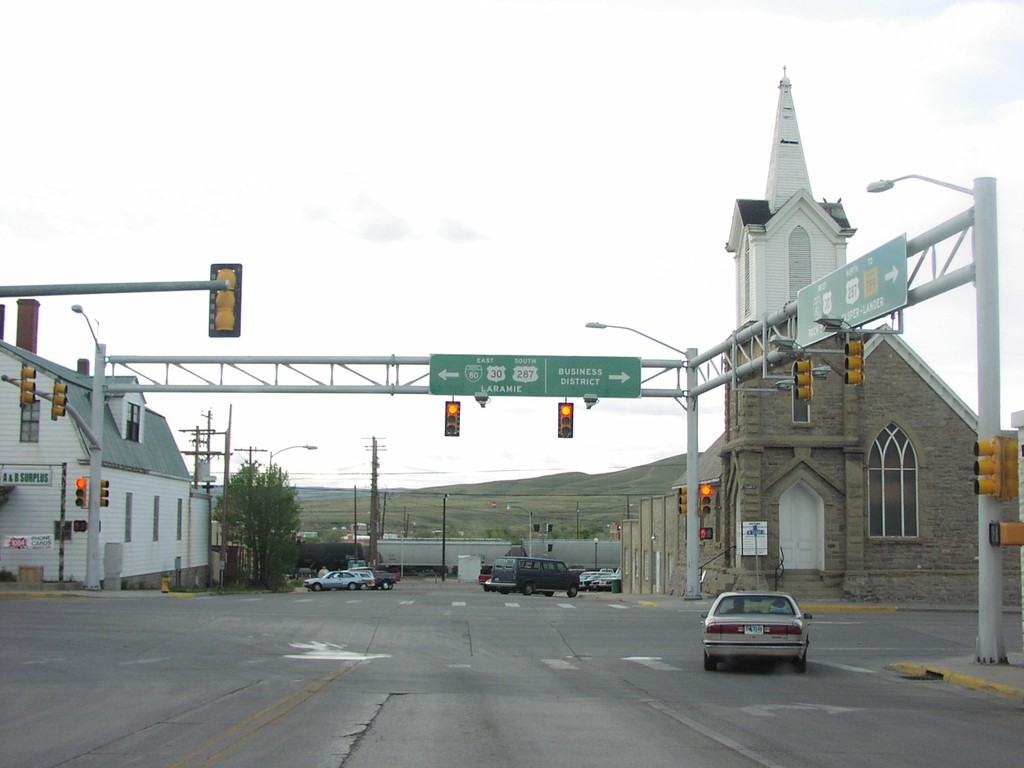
[(127, 517), (134, 426), (799, 261), (179, 519), (892, 484), (156, 518), (30, 423)]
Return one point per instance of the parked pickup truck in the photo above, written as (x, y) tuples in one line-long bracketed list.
[(381, 579)]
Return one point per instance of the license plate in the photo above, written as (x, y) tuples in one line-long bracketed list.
[(753, 629)]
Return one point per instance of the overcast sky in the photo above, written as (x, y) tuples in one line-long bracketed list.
[(479, 177)]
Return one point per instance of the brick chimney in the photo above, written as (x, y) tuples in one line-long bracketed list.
[(28, 324)]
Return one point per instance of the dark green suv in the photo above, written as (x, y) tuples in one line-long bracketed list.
[(532, 574)]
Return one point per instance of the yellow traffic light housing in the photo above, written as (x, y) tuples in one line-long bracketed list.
[(565, 414), (60, 400), (82, 492), (104, 493), (705, 499), (803, 380), (226, 306), (854, 363), (683, 500), (1006, 534), (452, 417), (996, 468), (28, 385)]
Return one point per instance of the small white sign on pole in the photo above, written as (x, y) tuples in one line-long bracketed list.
[(752, 537)]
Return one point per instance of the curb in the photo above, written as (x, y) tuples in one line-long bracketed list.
[(957, 678)]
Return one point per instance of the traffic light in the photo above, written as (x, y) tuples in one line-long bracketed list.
[(28, 385), (854, 363), (705, 500), (683, 500), (80, 526), (565, 419), (60, 400), (803, 380), (1006, 534), (226, 306), (707, 534), (104, 493), (452, 416), (82, 492), (996, 468)]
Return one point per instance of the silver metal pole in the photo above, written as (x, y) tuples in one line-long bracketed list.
[(692, 590), (990, 647), (92, 555)]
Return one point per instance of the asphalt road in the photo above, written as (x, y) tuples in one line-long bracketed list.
[(447, 675)]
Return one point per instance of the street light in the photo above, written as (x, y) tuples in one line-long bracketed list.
[(273, 453), (990, 647), (692, 591), (508, 508), (92, 556)]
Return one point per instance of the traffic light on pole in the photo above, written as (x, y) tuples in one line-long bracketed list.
[(803, 380), (80, 526), (104, 493), (996, 468), (452, 416), (60, 400), (705, 500), (565, 419), (854, 363), (226, 305), (707, 534), (683, 497), (28, 385), (82, 492)]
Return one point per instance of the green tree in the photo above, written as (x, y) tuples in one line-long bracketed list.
[(263, 516)]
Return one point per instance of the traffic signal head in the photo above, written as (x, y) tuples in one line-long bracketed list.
[(854, 363), (565, 419), (82, 492), (226, 306), (803, 380), (705, 499), (707, 534), (80, 526), (60, 400), (452, 416), (28, 385), (996, 468), (683, 500), (104, 493)]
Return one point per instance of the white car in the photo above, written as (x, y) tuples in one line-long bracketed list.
[(755, 625), (339, 580)]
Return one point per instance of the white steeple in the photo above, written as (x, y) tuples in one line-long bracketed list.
[(787, 171)]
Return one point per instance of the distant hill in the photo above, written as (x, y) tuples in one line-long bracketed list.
[(575, 503)]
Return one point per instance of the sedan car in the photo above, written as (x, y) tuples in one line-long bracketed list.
[(338, 580), (755, 625)]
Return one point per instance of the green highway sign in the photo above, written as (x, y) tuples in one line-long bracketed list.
[(534, 376), (870, 287)]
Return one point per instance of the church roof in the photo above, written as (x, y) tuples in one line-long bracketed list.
[(787, 170)]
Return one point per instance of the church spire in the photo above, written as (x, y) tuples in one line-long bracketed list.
[(787, 172)]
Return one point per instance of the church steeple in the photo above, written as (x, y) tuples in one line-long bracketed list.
[(787, 171)]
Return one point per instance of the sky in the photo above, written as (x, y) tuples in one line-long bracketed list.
[(479, 177)]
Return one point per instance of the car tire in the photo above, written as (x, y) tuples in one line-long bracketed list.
[(352, 585), (317, 587), (572, 591), (527, 589), (387, 584), (710, 665)]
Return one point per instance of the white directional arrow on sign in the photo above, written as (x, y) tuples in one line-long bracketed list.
[(623, 377)]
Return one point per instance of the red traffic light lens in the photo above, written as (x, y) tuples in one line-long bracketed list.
[(81, 483)]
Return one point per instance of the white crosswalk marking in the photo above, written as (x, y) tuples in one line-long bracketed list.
[(616, 605), (459, 603), (406, 602), (566, 605), (652, 662), (511, 605), (559, 664)]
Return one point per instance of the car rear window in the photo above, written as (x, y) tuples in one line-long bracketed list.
[(755, 604)]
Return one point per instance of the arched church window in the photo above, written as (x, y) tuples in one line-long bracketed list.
[(892, 484), (799, 261)]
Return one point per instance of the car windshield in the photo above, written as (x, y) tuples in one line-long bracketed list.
[(754, 604)]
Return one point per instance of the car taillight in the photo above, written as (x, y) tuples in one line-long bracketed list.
[(783, 629), (726, 629)]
